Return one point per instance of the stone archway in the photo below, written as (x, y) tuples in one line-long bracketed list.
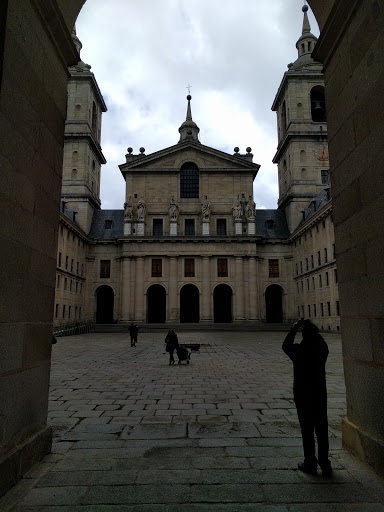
[(274, 304), (222, 304), (350, 44), (156, 304), (104, 304), (189, 304)]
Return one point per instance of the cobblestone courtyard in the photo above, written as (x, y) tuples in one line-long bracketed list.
[(132, 433)]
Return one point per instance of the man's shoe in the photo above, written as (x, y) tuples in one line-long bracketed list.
[(306, 468)]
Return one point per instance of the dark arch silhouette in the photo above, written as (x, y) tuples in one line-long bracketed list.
[(274, 303), (104, 304), (318, 112), (222, 304), (156, 304), (189, 304)]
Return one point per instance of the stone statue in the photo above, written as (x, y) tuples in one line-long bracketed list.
[(173, 209), (237, 209), (128, 209), (141, 210), (250, 208), (205, 209)]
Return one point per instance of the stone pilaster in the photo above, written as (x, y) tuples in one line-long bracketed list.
[(173, 310), (239, 297), (126, 289), (253, 292), (206, 306), (139, 291)]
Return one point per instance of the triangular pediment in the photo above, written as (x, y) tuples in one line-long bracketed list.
[(175, 156)]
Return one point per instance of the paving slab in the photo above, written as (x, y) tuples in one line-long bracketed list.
[(132, 434)]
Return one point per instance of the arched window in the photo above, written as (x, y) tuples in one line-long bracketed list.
[(318, 104), (189, 180)]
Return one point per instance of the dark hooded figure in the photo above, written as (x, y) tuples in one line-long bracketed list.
[(310, 393), (172, 344)]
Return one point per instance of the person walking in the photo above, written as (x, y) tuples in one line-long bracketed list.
[(133, 331), (310, 393), (172, 344)]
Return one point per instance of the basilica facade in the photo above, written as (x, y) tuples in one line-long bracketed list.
[(189, 244)]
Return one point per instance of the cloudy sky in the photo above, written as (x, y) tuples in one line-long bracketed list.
[(234, 53)]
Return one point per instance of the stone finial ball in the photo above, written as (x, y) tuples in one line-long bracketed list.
[(305, 8), (142, 150), (249, 149), (129, 150), (189, 97), (236, 149)]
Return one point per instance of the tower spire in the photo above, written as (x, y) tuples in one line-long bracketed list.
[(189, 131), (306, 26)]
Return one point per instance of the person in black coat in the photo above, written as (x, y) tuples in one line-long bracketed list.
[(310, 393), (172, 344), (133, 331)]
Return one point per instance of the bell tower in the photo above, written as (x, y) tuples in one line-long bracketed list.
[(302, 151), (83, 156)]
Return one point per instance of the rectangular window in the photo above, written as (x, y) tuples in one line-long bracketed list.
[(108, 224), (323, 224), (65, 283), (77, 286), (309, 310), (313, 283), (82, 269), (325, 255), (59, 259), (334, 251), (302, 286), (297, 270), (64, 311), (105, 268), (189, 227), (56, 311), (329, 308), (317, 228), (58, 281), (320, 281), (61, 230), (324, 177), (301, 267), (297, 286), (66, 263), (81, 287), (70, 285), (302, 311), (327, 279), (69, 311), (319, 258), (189, 267), (337, 308), (157, 227), (72, 265), (79, 311), (308, 284), (322, 309), (312, 262), (221, 227), (335, 275), (77, 267), (75, 311), (298, 310), (157, 267), (306, 264), (273, 268), (222, 267), (314, 310)]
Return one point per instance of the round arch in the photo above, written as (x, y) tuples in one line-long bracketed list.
[(105, 297), (189, 304), (274, 303), (222, 304), (156, 304)]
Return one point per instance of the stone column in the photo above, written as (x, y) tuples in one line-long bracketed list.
[(139, 290), (253, 291), (172, 309), (125, 289), (239, 297), (206, 300)]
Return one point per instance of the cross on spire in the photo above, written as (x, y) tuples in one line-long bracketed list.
[(189, 88)]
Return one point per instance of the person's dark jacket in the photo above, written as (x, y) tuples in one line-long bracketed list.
[(309, 358), (171, 342)]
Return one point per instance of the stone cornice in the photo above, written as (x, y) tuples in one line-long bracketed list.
[(321, 214), (88, 75), (334, 30), (57, 31), (91, 140), (320, 136)]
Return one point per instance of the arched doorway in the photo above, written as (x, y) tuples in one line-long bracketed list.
[(222, 304), (274, 303), (156, 304), (189, 304), (104, 304)]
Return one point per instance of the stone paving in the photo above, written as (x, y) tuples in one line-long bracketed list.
[(220, 434)]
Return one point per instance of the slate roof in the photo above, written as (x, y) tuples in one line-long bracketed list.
[(271, 224), (317, 203), (99, 229)]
